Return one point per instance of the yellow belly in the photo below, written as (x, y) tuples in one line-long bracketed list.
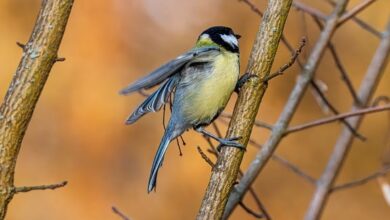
[(214, 92)]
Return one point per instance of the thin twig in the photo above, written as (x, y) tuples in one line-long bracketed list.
[(60, 59), (205, 157), (339, 65), (361, 181), (21, 45), (290, 166), (309, 10), (250, 211), (336, 112), (292, 60), (348, 15), (24, 189), (252, 7), (336, 118), (344, 74), (119, 213), (259, 204), (361, 23), (294, 169)]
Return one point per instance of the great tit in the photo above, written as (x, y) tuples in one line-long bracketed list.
[(201, 80)]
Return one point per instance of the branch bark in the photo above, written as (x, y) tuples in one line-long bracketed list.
[(280, 127), (225, 171), (369, 84), (40, 53)]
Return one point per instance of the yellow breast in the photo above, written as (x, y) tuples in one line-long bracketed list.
[(214, 91)]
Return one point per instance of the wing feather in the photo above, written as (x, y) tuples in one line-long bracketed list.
[(155, 101), (164, 72)]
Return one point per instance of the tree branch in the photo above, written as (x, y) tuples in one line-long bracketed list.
[(336, 118), (24, 91), (24, 189), (262, 56), (298, 91), (369, 84), (350, 14), (119, 213), (292, 60), (361, 181)]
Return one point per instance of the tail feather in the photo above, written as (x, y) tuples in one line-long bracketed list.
[(159, 157)]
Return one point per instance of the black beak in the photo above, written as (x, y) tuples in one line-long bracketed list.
[(237, 36)]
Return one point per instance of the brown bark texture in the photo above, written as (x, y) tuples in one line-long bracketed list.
[(39, 55), (224, 173)]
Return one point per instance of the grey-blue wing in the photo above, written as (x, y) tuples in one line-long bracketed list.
[(155, 101), (171, 68)]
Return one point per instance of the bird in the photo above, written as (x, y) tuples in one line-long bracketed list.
[(201, 81)]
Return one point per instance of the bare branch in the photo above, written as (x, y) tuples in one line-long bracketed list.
[(263, 53), (298, 91), (290, 166), (361, 181), (309, 10), (361, 23), (369, 84), (335, 111), (336, 118), (205, 157), (290, 62), (348, 15), (250, 211), (214, 152), (119, 213), (344, 74), (24, 189), (21, 45), (60, 59), (294, 169), (259, 203), (252, 7), (27, 84)]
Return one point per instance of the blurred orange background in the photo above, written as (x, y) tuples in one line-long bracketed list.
[(78, 134)]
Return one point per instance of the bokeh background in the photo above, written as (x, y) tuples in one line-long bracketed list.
[(78, 133)]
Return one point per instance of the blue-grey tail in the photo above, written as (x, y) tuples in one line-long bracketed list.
[(159, 157)]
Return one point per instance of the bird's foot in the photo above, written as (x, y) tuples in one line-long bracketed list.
[(229, 142), (244, 78)]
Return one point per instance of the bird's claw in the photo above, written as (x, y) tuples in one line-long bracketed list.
[(230, 142), (244, 78)]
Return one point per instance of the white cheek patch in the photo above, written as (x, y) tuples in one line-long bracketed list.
[(230, 39), (204, 36)]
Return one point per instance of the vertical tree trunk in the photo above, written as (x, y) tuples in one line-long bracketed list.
[(40, 53), (225, 171)]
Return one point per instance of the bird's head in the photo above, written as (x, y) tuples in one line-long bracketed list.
[(220, 36)]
